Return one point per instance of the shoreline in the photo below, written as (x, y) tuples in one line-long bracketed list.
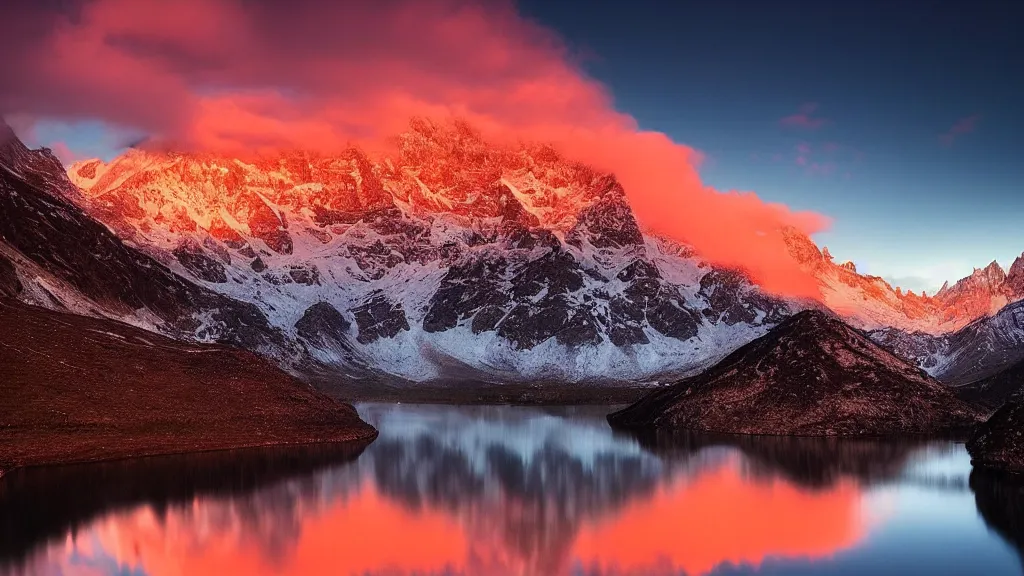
[(359, 442)]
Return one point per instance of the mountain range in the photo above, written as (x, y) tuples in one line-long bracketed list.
[(452, 260)]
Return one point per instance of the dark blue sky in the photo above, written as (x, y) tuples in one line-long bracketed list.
[(878, 82)]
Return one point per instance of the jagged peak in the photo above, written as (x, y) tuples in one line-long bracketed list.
[(801, 247), (994, 268)]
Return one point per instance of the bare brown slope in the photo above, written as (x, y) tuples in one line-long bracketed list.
[(77, 389), (810, 376)]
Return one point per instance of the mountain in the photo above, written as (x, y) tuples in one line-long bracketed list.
[(993, 391), (997, 444), (871, 303), (75, 388), (977, 351), (53, 254), (451, 260), (812, 375)]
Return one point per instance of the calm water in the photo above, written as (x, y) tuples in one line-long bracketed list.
[(502, 490)]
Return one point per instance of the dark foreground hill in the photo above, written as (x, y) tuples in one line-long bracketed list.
[(998, 444), (75, 389), (810, 376)]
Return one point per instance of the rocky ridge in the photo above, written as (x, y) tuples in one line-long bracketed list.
[(870, 303)]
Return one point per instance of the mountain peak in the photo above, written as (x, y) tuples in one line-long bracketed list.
[(1015, 278), (995, 270)]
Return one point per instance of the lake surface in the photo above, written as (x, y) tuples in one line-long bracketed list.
[(525, 491)]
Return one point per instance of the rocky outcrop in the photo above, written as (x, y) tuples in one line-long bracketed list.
[(731, 300), (199, 264), (323, 324), (812, 375), (998, 444), (379, 318), (1015, 278)]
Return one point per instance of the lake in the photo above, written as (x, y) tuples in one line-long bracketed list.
[(485, 490)]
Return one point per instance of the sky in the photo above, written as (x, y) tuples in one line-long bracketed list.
[(900, 120), (890, 130)]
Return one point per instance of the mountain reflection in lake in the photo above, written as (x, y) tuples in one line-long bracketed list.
[(526, 491)]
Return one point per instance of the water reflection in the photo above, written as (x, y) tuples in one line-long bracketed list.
[(498, 490), (1000, 501)]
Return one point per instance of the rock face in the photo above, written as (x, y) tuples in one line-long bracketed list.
[(812, 375), (322, 324), (74, 388), (999, 443)]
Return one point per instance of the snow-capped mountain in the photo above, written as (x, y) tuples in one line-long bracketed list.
[(451, 259), (53, 254)]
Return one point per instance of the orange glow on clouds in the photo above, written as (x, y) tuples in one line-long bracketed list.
[(719, 517), (229, 75)]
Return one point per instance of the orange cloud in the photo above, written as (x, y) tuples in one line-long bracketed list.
[(230, 75)]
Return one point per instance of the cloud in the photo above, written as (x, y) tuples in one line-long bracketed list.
[(235, 75), (962, 126), (809, 158), (813, 167), (821, 168), (804, 118)]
